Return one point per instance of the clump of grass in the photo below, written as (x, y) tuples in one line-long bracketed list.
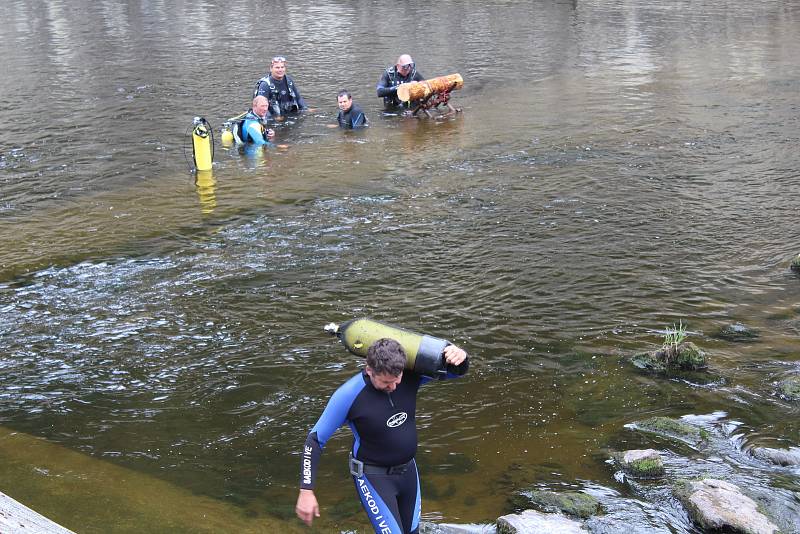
[(674, 337)]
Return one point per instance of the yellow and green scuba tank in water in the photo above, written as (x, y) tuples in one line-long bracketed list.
[(202, 147), (423, 352)]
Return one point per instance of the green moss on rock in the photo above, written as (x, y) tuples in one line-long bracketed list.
[(795, 265), (737, 332), (669, 427), (573, 503), (789, 388), (685, 357)]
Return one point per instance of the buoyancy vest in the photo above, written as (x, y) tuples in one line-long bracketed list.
[(279, 102)]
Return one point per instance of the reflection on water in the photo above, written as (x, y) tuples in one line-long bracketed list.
[(618, 167)]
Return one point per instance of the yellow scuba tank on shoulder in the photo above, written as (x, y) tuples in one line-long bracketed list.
[(424, 353)]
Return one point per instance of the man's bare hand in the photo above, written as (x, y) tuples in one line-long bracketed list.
[(454, 355), (307, 508)]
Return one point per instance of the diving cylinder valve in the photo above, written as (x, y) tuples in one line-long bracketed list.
[(424, 353), (201, 144)]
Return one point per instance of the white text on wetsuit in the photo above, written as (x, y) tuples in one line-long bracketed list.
[(307, 465), (374, 508)]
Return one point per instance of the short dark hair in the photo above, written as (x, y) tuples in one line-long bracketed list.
[(344, 92), (386, 356)]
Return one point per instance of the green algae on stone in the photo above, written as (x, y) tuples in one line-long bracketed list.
[(673, 428), (684, 357), (574, 503), (737, 332), (641, 463), (789, 388), (795, 265)]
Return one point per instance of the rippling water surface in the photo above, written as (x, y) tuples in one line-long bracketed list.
[(618, 167)]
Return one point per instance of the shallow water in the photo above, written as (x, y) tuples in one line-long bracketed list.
[(617, 168)]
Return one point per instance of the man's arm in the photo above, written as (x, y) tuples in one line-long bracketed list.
[(258, 136), (300, 102), (384, 86), (456, 360), (334, 416)]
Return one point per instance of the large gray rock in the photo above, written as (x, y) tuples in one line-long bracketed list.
[(719, 505), (16, 518), (452, 528), (790, 456), (533, 522)]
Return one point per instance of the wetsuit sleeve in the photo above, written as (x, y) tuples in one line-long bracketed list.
[(385, 86), (301, 104), (256, 135), (334, 416), (418, 77), (451, 371)]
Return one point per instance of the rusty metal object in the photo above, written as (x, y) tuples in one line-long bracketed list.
[(409, 92)]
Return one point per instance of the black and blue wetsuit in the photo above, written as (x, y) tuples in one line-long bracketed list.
[(384, 439), (283, 95), (254, 129), (387, 85), (352, 118)]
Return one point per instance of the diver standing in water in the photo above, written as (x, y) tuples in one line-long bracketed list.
[(403, 71), (254, 124), (350, 114), (379, 405), (280, 89)]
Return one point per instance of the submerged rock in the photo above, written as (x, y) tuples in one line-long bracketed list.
[(795, 265), (789, 388), (784, 457), (685, 357), (450, 528), (645, 463), (574, 503), (737, 332), (531, 521), (719, 505), (673, 428)]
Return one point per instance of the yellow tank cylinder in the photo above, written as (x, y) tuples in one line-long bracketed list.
[(201, 145), (227, 137), (424, 353), (408, 92)]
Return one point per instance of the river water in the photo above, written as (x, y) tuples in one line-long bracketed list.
[(618, 167)]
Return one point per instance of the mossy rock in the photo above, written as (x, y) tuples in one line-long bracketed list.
[(641, 463), (789, 388), (795, 265), (737, 332), (685, 357), (673, 428), (574, 503)]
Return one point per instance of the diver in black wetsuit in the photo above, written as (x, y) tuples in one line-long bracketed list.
[(379, 405), (284, 96), (403, 71), (350, 114)]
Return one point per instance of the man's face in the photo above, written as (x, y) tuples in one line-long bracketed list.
[(403, 70), (345, 103), (260, 108), (278, 69), (384, 381)]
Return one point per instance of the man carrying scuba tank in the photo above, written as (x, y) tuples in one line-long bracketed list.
[(403, 71), (280, 89), (379, 405)]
